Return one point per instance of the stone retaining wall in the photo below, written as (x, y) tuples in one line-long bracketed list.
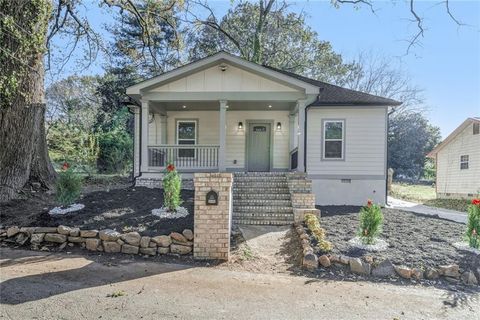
[(369, 266), (212, 223), (107, 240)]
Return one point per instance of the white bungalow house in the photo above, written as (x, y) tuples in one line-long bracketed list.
[(225, 114), (457, 161)]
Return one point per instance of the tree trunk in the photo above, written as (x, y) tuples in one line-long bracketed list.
[(23, 149)]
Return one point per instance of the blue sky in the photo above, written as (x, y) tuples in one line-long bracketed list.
[(446, 65)]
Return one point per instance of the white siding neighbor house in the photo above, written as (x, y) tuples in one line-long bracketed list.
[(225, 114), (457, 161)]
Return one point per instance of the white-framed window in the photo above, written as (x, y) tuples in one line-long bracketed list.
[(333, 139), (187, 134), (464, 162)]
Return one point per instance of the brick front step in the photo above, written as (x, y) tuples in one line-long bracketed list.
[(262, 202), (274, 209), (263, 215), (261, 222), (261, 196), (261, 184), (254, 189)]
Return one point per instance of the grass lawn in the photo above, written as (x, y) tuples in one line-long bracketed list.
[(426, 195)]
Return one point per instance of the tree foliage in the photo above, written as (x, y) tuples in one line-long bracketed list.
[(265, 32), (410, 138)]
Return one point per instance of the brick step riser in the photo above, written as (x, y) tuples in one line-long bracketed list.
[(260, 185), (264, 222), (259, 174), (263, 210), (263, 217), (256, 197), (262, 203), (260, 190)]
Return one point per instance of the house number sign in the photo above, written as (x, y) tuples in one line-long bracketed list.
[(212, 198)]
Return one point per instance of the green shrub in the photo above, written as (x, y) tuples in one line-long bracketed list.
[(312, 223), (115, 151), (473, 224), (371, 220), (68, 186), (171, 188)]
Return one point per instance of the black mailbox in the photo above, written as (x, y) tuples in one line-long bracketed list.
[(212, 198)]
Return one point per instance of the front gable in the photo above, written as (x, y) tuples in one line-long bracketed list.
[(213, 79), (223, 72)]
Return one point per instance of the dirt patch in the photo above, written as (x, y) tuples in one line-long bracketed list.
[(414, 240), (267, 249), (125, 209)]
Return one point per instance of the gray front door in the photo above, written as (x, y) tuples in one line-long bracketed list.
[(258, 153)]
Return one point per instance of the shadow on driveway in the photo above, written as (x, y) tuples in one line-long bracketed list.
[(77, 272)]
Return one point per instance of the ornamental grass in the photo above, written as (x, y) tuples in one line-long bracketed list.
[(313, 224), (371, 221)]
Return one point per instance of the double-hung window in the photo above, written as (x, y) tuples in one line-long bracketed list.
[(464, 162), (333, 139), (186, 134)]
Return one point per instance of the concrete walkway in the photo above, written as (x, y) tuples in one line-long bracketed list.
[(39, 285), (452, 215)]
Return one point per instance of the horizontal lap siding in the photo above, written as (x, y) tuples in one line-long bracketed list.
[(365, 141), (236, 138), (208, 124), (450, 179)]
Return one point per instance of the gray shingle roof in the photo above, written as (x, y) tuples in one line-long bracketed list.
[(334, 95)]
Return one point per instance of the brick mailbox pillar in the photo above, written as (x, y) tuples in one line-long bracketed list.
[(213, 212)]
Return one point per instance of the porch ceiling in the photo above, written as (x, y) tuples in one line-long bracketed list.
[(158, 106)]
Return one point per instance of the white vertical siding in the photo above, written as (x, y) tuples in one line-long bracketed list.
[(365, 146), (450, 179)]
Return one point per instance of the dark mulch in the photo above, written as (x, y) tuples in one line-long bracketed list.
[(414, 240), (126, 209)]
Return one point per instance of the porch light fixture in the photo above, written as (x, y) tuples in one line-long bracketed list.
[(279, 126), (184, 107), (240, 125), (223, 67), (269, 106)]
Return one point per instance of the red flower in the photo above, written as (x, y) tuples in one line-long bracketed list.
[(476, 202), (170, 168), (369, 203), (65, 166)]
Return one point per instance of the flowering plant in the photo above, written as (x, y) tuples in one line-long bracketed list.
[(473, 224), (171, 188), (65, 166), (371, 220)]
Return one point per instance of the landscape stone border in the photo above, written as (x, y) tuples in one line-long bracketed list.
[(369, 266), (108, 240)]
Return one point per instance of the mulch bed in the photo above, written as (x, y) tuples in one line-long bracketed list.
[(414, 240), (125, 209)]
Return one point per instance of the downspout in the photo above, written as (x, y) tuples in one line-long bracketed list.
[(305, 132), (386, 160), (133, 102)]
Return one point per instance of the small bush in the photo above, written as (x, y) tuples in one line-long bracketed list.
[(473, 224), (115, 151), (68, 186), (312, 223), (171, 188), (371, 220)]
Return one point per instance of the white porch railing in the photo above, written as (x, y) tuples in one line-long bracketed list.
[(184, 157)]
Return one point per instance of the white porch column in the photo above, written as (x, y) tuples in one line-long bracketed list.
[(222, 166), (291, 131), (163, 129), (301, 135), (144, 136)]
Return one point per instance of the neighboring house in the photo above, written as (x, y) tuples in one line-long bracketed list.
[(457, 161), (223, 113)]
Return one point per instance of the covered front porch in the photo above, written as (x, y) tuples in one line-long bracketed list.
[(217, 136), (221, 113)]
